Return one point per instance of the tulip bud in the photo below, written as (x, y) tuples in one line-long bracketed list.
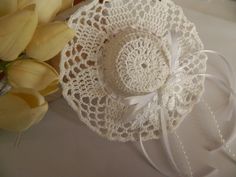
[(49, 40), (21, 108), (7, 6), (28, 73), (16, 32)]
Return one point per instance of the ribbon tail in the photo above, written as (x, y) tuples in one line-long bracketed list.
[(224, 143), (227, 111), (229, 87), (166, 142), (149, 159), (231, 138), (184, 154), (223, 147)]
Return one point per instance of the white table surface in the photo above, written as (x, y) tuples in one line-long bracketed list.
[(62, 146)]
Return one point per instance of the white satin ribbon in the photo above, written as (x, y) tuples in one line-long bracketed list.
[(229, 88), (165, 140), (174, 49), (150, 160), (221, 83), (165, 143), (140, 102)]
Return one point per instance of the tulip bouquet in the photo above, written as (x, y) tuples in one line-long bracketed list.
[(28, 38)]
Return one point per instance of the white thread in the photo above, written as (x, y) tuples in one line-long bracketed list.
[(213, 116), (185, 154)]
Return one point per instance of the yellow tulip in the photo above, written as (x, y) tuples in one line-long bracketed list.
[(28, 73), (21, 108), (7, 6), (16, 31), (49, 40)]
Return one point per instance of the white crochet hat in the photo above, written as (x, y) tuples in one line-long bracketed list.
[(128, 59)]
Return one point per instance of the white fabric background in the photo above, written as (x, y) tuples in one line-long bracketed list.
[(61, 146)]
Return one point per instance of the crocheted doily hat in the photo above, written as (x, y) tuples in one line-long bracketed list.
[(130, 58)]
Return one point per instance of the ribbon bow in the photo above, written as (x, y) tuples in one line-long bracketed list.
[(136, 103)]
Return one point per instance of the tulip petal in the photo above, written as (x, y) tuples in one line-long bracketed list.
[(23, 3), (32, 74), (66, 4), (49, 40), (38, 113), (16, 32), (17, 112), (7, 6), (52, 88), (47, 9), (32, 97), (11, 108)]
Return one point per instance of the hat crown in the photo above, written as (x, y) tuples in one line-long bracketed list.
[(136, 62)]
